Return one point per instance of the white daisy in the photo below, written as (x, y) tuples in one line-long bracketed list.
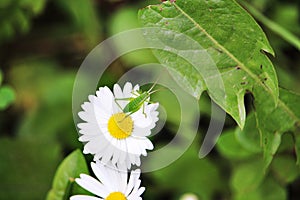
[(112, 184), (111, 135)]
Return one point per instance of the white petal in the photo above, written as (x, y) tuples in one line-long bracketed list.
[(84, 197), (127, 91), (140, 132), (131, 146), (134, 176), (95, 145), (141, 191), (88, 128), (118, 91), (140, 119), (92, 185), (136, 87), (147, 144), (86, 138), (106, 98), (100, 172)]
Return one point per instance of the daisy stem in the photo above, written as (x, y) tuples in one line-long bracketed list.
[(69, 188)]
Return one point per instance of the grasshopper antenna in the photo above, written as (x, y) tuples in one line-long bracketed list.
[(155, 83)]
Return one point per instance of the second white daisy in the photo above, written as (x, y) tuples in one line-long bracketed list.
[(112, 184), (111, 135)]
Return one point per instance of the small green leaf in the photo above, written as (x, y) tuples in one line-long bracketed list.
[(7, 96), (249, 137), (247, 176), (201, 176), (268, 190), (66, 173), (231, 148), (285, 168)]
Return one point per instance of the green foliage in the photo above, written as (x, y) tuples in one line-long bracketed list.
[(202, 177), (43, 89), (268, 190), (69, 169), (15, 16), (27, 167), (124, 20), (44, 42), (83, 14)]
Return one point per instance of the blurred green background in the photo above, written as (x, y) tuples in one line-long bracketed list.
[(43, 43)]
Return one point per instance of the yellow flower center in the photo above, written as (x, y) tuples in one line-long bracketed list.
[(116, 196), (120, 126)]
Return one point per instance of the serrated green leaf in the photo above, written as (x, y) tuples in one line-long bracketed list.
[(233, 40), (7, 96), (273, 122), (66, 173)]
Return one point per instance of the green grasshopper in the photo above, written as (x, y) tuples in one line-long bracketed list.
[(135, 103)]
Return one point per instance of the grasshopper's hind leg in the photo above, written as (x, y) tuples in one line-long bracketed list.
[(144, 111)]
